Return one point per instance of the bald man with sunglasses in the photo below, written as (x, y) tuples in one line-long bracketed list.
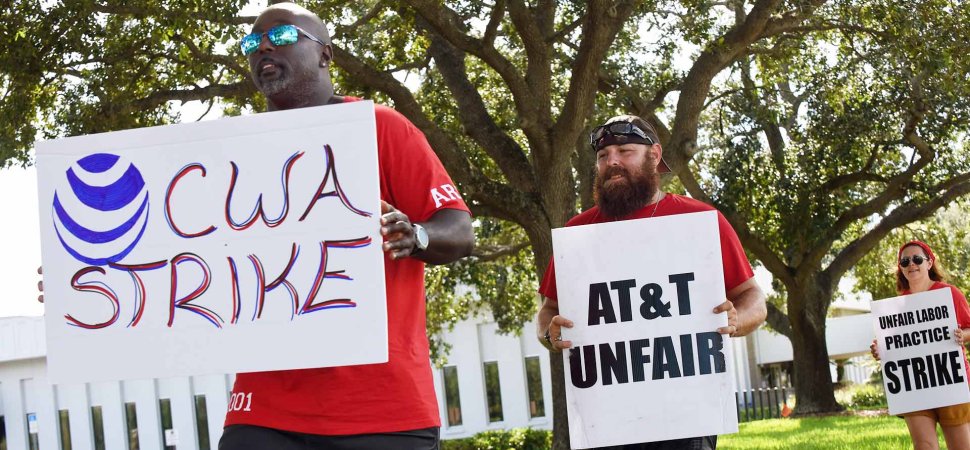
[(377, 406), (629, 160)]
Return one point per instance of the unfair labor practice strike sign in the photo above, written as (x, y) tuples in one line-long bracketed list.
[(647, 363), (244, 244), (922, 364)]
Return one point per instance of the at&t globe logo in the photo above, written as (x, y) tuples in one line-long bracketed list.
[(100, 209)]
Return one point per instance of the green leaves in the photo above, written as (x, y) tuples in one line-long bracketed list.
[(947, 233), (499, 281), (78, 66)]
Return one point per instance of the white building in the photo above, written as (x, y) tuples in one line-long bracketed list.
[(491, 381)]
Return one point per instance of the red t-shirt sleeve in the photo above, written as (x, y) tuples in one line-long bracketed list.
[(737, 269), (413, 180), (960, 305), (548, 286)]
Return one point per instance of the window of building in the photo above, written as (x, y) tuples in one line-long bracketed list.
[(202, 422), (97, 423), (131, 419), (533, 378), (493, 392), (64, 425), (168, 432), (452, 399), (33, 428)]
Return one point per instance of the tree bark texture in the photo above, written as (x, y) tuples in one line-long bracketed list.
[(812, 378)]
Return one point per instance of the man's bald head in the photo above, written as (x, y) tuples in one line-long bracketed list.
[(309, 21)]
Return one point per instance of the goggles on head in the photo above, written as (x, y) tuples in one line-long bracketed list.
[(617, 129), (278, 35)]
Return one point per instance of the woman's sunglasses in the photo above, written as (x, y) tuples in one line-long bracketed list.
[(278, 35), (917, 259)]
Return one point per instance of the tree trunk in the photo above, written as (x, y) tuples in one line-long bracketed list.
[(542, 253), (814, 391), (560, 429)]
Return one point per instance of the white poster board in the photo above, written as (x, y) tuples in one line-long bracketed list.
[(922, 364), (647, 363), (244, 244)]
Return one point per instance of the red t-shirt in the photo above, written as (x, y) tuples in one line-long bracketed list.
[(960, 306), (375, 398), (737, 269)]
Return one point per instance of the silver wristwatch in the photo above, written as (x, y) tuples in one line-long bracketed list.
[(420, 238)]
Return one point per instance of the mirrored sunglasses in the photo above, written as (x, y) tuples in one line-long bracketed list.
[(617, 128), (278, 35), (917, 259)]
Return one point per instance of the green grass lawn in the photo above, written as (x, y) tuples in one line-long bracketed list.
[(829, 433), (850, 432)]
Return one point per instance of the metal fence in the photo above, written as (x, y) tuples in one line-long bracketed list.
[(764, 403)]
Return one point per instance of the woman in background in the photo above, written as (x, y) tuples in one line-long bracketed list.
[(918, 270)]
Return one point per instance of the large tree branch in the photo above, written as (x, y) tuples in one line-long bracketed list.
[(638, 104), (718, 55), (759, 248), (482, 210), (695, 88), (341, 30), (858, 176), (501, 200), (447, 24), (792, 19), (404, 102), (228, 61), (584, 163), (912, 211), (475, 119), (894, 190), (235, 90), (494, 21), (779, 320), (793, 25), (534, 25), (603, 21), (565, 31), (487, 253)]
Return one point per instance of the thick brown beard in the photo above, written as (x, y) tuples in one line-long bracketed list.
[(621, 200)]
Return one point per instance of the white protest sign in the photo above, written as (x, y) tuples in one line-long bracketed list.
[(922, 365), (647, 363), (238, 245)]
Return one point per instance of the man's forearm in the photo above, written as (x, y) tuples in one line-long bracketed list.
[(450, 237), (752, 311), (546, 312)]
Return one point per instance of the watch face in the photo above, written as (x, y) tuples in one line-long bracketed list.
[(421, 235)]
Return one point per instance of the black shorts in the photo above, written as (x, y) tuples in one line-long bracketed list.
[(250, 437), (697, 443)]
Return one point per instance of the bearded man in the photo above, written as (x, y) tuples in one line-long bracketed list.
[(629, 160)]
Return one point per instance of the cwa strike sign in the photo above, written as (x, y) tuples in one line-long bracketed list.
[(243, 244)]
